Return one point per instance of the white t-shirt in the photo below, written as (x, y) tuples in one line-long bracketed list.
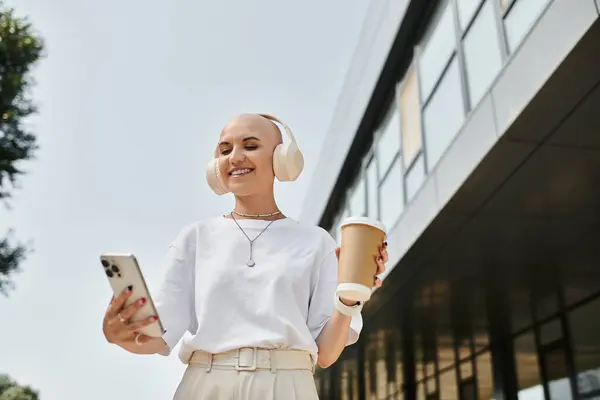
[(283, 301)]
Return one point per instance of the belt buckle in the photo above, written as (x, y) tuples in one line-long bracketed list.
[(251, 367)]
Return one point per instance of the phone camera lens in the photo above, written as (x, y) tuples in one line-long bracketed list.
[(115, 268), (105, 263), (109, 273)]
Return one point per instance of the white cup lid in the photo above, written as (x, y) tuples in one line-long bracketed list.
[(364, 221)]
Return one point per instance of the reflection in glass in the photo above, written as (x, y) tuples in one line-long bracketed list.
[(520, 310), (448, 386), (437, 51), (485, 381), (526, 360), (392, 196), (555, 362), (466, 369), (380, 366), (551, 331), (444, 115), (372, 185), (357, 201), (521, 18), (411, 118), (467, 389), (415, 178), (349, 382), (482, 53), (421, 391), (389, 142), (585, 330), (466, 10)]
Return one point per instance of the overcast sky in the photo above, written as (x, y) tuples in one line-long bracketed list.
[(132, 97)]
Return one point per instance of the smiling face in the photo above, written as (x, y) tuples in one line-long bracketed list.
[(245, 154)]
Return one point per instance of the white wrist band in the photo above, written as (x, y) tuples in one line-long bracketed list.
[(351, 311)]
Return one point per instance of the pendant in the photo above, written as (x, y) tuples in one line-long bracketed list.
[(250, 261)]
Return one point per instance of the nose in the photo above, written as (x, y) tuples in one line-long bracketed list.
[(237, 156)]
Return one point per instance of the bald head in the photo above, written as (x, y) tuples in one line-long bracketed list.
[(254, 125)]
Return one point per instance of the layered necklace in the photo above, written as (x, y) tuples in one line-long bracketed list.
[(250, 263)]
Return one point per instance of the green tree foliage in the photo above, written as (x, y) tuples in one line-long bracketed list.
[(10, 390), (20, 49)]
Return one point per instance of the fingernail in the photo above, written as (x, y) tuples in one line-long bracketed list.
[(130, 288), (153, 318), (379, 258), (384, 244), (142, 300)]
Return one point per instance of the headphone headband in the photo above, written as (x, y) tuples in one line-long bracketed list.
[(287, 128)]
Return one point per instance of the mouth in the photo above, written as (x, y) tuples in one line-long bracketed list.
[(240, 172)]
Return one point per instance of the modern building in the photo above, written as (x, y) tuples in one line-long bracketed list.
[(471, 129)]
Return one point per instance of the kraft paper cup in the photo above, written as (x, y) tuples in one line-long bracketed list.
[(361, 239)]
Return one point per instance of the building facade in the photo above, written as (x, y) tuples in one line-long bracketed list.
[(471, 129)]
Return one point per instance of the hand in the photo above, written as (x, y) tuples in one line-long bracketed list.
[(381, 260), (116, 326)]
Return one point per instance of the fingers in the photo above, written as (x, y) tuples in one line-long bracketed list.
[(377, 283), (140, 324), (131, 309), (117, 304), (337, 253)]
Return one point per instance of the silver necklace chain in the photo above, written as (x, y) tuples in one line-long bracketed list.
[(257, 215), (250, 262)]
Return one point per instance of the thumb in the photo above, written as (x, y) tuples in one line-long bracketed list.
[(337, 252)]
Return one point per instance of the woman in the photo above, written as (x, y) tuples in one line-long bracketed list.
[(255, 289)]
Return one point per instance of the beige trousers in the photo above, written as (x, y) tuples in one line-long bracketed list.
[(248, 374)]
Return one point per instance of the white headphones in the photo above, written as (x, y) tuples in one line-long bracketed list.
[(288, 162)]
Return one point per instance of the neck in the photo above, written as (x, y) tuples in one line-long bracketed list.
[(257, 204)]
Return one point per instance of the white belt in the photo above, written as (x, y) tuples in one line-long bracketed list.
[(252, 359)]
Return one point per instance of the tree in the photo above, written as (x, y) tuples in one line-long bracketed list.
[(10, 390), (20, 49)]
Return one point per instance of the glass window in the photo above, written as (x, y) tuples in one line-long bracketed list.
[(444, 115), (585, 330), (466, 369), (528, 373), (381, 367), (521, 18), (372, 185), (483, 59), (485, 381), (438, 49), (392, 197), (555, 363), (466, 10), (357, 201), (415, 178), (551, 331), (389, 142), (410, 105)]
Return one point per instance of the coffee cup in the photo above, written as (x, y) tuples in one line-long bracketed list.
[(362, 238)]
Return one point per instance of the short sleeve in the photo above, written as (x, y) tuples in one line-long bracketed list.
[(321, 305), (175, 301)]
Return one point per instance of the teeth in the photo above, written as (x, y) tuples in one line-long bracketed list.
[(240, 172)]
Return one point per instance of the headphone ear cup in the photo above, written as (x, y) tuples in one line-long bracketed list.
[(288, 162), (213, 177)]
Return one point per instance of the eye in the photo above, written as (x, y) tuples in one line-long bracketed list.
[(225, 151), (251, 147)]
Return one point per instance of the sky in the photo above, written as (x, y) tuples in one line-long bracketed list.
[(132, 96)]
